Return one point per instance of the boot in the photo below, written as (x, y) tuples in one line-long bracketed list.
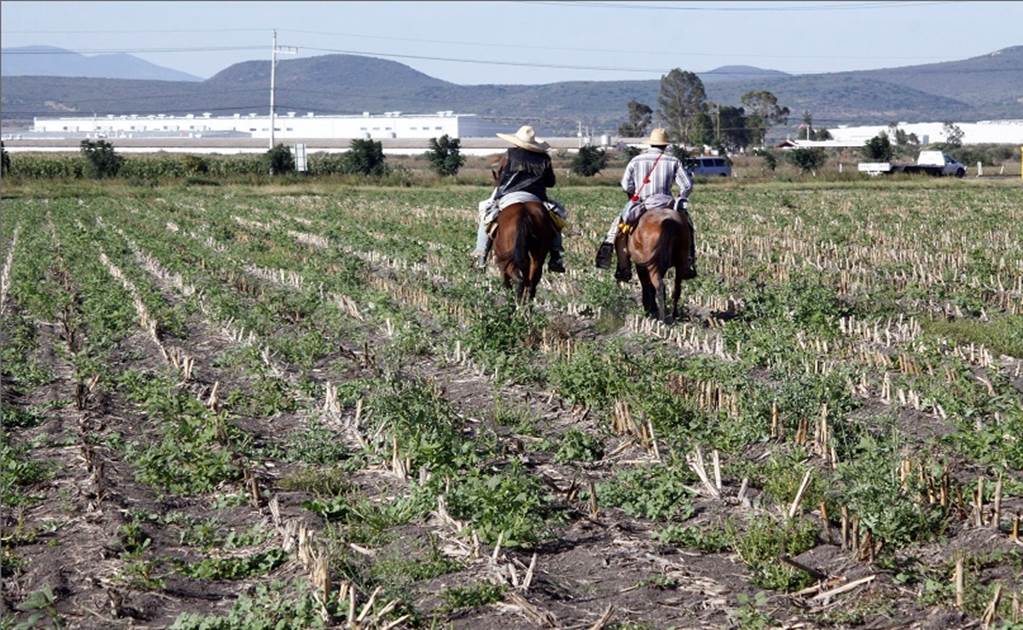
[(481, 260), (604, 255), (624, 270), (556, 263)]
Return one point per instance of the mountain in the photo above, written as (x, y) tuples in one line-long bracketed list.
[(990, 78), (58, 62), (739, 73), (350, 84)]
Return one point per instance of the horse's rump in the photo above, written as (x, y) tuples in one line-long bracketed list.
[(523, 239), (658, 237)]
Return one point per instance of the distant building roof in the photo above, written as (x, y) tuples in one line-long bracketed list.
[(790, 143)]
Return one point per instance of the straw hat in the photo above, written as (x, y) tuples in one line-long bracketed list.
[(658, 136), (525, 138)]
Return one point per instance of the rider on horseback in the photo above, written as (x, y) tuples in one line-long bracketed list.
[(524, 173), (647, 181)]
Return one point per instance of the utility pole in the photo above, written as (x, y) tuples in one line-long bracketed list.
[(273, 89), (290, 50), (717, 126)]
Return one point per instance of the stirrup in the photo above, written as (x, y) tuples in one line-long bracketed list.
[(604, 255)]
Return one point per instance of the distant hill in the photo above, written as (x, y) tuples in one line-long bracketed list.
[(739, 73), (57, 62), (991, 78), (350, 84)]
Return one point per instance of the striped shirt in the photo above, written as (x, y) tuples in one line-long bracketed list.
[(669, 171)]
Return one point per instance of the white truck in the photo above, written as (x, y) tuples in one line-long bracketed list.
[(934, 163)]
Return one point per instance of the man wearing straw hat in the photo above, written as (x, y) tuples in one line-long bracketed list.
[(647, 181), (524, 174)]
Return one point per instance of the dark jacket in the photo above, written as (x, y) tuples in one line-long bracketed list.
[(524, 171)]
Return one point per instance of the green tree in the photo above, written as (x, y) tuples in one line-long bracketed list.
[(640, 116), (589, 161), (807, 160), (763, 112), (365, 157), (445, 155), (807, 132), (733, 125), (5, 160), (101, 158), (878, 148), (953, 135), (682, 106), (281, 160)]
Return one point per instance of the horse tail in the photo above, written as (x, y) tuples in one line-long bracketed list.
[(668, 240), (520, 254)]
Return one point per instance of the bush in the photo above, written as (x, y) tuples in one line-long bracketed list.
[(5, 161), (589, 161), (444, 155), (878, 148), (48, 167), (281, 160), (807, 160), (195, 165), (101, 158), (365, 157)]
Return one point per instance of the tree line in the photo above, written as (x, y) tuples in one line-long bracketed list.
[(691, 119)]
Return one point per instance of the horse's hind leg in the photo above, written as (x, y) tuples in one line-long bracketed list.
[(676, 293), (661, 297), (649, 301)]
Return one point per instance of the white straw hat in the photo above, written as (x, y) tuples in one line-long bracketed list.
[(658, 136), (525, 138)]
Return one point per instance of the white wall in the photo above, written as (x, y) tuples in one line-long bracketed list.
[(983, 132), (298, 126)]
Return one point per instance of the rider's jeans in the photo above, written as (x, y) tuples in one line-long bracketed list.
[(481, 235)]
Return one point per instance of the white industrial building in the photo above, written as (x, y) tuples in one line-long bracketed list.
[(983, 132), (289, 125)]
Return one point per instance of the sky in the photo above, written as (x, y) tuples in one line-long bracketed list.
[(614, 40)]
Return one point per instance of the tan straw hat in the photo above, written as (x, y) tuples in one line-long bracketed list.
[(525, 138), (657, 137)]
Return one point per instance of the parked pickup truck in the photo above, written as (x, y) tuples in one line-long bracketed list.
[(933, 163)]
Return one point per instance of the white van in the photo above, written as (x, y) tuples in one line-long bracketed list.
[(709, 166)]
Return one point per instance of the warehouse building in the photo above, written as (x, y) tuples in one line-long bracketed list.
[(289, 125)]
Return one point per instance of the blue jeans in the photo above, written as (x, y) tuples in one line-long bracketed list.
[(481, 237)]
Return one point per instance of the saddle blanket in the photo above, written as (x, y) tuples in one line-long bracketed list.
[(634, 210), (490, 208)]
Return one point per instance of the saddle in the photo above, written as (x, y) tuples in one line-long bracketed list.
[(653, 202), (556, 219)]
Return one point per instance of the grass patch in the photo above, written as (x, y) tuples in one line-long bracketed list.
[(1002, 334)]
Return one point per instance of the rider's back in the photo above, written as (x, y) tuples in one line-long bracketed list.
[(525, 171)]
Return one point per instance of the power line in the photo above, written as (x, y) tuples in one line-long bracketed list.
[(492, 62), (425, 41), (136, 30), (672, 52), (108, 51), (751, 9)]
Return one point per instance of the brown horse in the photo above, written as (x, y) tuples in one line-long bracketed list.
[(660, 242), (521, 244)]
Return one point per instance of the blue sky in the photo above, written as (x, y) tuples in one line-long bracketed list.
[(638, 41)]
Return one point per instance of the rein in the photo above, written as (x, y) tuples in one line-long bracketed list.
[(646, 180)]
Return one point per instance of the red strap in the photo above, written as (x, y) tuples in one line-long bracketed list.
[(646, 180)]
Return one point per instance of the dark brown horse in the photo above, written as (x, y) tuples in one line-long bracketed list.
[(521, 244), (660, 242)]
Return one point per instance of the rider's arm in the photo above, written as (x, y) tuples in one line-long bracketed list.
[(628, 183), (549, 179), (685, 183)]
